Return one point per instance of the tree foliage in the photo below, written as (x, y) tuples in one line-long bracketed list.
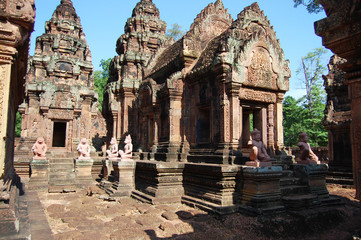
[(101, 79), (306, 114), (176, 32), (312, 6), (17, 124)]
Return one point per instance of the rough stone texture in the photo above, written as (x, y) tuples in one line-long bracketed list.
[(189, 94), (260, 190), (158, 182), (39, 174), (337, 121), (92, 217), (16, 24), (211, 187), (60, 103), (341, 33), (123, 184), (83, 172), (190, 100)]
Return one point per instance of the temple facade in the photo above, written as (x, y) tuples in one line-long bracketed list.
[(60, 103), (202, 94), (338, 117)]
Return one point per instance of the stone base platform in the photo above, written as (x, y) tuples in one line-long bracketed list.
[(39, 174), (261, 189), (83, 172), (123, 184), (211, 187), (158, 182)]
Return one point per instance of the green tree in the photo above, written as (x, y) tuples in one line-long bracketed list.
[(17, 124), (312, 6), (175, 32), (101, 79), (305, 114), (293, 121)]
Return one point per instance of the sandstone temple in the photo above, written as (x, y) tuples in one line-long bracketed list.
[(187, 112), (60, 102)]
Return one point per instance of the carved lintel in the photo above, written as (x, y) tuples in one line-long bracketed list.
[(261, 96), (61, 114)]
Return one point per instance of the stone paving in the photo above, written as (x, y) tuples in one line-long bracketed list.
[(80, 216)]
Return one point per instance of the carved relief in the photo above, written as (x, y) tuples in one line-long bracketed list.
[(261, 96), (60, 114), (3, 73), (260, 72)]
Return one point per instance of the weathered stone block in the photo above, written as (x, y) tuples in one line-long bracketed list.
[(314, 176), (123, 178), (159, 182), (83, 172), (39, 174), (260, 191), (211, 187)]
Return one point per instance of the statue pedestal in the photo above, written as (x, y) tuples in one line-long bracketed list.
[(261, 189), (83, 172), (211, 187), (313, 176), (258, 164), (123, 173), (159, 182), (39, 173)]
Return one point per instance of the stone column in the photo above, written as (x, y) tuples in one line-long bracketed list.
[(175, 114), (279, 121), (5, 73), (270, 126), (234, 115), (156, 129)]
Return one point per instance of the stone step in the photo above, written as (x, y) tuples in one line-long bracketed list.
[(287, 173), (61, 188), (287, 181), (62, 182), (340, 174), (61, 160), (293, 190), (300, 201), (340, 181)]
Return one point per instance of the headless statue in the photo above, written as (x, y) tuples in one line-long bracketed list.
[(128, 148), (39, 148), (83, 149)]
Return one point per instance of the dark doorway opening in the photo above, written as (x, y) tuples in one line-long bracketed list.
[(204, 126), (59, 134)]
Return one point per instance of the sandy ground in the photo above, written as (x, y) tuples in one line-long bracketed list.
[(79, 216)]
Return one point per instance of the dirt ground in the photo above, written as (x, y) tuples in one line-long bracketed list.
[(79, 216)]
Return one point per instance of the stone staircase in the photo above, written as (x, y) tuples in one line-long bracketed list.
[(61, 175), (295, 194), (341, 176)]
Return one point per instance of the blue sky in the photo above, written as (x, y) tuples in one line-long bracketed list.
[(103, 23)]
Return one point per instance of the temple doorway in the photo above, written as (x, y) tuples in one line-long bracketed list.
[(253, 117), (59, 134)]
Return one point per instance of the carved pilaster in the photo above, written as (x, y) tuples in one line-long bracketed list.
[(279, 121), (235, 123)]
